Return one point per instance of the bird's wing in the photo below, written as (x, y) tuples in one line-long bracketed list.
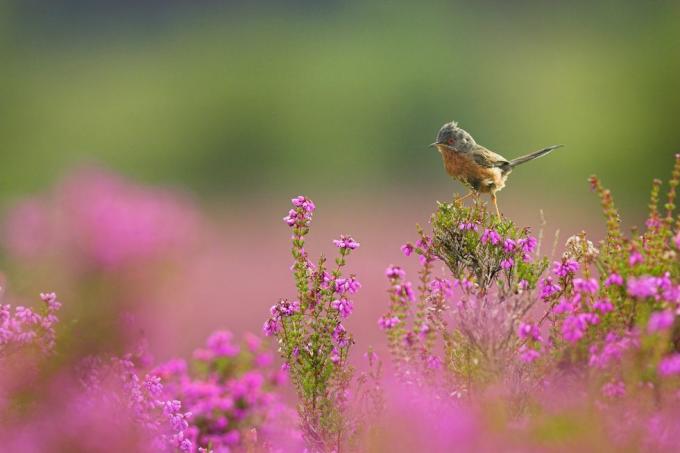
[(489, 159)]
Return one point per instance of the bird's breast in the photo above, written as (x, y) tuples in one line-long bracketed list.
[(466, 170)]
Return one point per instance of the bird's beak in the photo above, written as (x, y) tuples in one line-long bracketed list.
[(431, 145)]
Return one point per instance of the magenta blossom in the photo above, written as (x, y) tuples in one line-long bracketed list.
[(613, 279), (467, 226), (583, 285), (346, 242), (509, 245), (395, 272), (347, 285), (304, 203), (405, 291), (670, 365), (528, 244), (386, 322), (642, 287), (343, 306), (549, 288), (528, 330), (660, 320), (603, 305), (507, 263), (527, 354), (490, 236), (407, 249), (565, 268), (635, 258)]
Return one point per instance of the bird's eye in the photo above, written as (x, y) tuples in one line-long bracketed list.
[(451, 141)]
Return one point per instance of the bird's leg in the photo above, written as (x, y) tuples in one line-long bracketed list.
[(495, 204), (460, 199)]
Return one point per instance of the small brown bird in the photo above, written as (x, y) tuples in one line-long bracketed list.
[(478, 168)]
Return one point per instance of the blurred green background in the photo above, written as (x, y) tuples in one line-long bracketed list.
[(236, 99)]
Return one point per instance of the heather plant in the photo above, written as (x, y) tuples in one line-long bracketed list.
[(313, 341), (230, 393), (22, 327), (474, 304), (600, 321)]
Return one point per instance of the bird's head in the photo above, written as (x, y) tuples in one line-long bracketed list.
[(452, 137)]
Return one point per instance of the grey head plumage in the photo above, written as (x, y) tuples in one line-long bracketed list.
[(452, 136)]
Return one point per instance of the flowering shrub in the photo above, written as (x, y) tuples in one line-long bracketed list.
[(600, 318), (313, 342), (493, 346), (230, 395), (475, 307), (102, 219)]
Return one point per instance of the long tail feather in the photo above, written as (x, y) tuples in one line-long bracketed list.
[(532, 156)]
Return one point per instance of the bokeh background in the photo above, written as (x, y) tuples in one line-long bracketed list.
[(238, 106)]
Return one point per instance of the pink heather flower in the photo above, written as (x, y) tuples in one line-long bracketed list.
[(642, 287), (386, 323), (565, 268), (285, 308), (347, 285), (574, 326), (346, 242), (670, 365), (509, 245), (653, 222), (343, 306), (340, 336), (528, 330), (507, 263), (271, 327), (583, 285), (405, 291), (660, 320), (292, 218), (335, 355), (407, 249), (549, 288), (613, 349), (304, 203), (220, 343), (676, 240), (395, 272), (527, 354), (635, 258), (442, 286), (603, 305), (491, 236), (528, 244), (563, 306), (523, 285), (434, 362), (614, 389), (467, 226), (613, 279)]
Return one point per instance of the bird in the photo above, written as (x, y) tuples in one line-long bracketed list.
[(478, 168)]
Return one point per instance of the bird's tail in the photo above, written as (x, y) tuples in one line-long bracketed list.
[(532, 156)]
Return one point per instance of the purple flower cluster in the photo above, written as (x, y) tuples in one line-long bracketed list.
[(388, 322), (613, 349), (565, 268), (142, 398), (670, 365), (301, 215), (282, 309), (23, 327), (231, 396), (103, 219), (346, 242), (659, 288)]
